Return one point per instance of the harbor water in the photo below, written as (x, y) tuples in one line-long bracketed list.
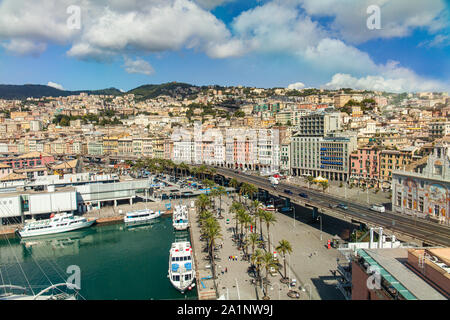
[(115, 261)]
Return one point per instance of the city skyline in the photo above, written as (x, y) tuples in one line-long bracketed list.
[(296, 43)]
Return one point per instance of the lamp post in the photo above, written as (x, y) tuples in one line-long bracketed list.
[(303, 289), (367, 189), (293, 207), (320, 218), (289, 282)]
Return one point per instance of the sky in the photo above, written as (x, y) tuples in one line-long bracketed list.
[(386, 45)]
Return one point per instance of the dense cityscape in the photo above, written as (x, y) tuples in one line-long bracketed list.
[(385, 151)]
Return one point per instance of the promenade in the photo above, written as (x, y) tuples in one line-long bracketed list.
[(310, 263)]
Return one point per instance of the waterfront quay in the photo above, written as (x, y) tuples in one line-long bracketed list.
[(311, 262), (107, 214)]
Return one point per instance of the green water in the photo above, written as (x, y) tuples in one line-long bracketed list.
[(116, 262)]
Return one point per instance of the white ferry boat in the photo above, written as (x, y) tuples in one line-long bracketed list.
[(141, 216), (56, 224), (181, 266), (180, 218)]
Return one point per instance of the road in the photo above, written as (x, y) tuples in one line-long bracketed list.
[(428, 232)]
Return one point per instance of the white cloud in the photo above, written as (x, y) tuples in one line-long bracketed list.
[(55, 85), (211, 4), (296, 86), (398, 18), (24, 47), (112, 27), (169, 26), (441, 40), (138, 66), (410, 83)]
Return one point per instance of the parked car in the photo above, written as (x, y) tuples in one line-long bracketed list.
[(303, 195), (378, 208), (288, 191)]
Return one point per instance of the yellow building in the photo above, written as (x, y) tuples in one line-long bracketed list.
[(394, 160)]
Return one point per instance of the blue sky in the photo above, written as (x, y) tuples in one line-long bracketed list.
[(302, 43)]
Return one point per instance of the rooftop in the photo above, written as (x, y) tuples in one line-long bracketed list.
[(393, 269)]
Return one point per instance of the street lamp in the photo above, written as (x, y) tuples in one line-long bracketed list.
[(293, 207), (320, 218), (367, 189), (303, 289), (289, 282)]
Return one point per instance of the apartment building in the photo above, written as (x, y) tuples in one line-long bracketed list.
[(426, 191), (319, 123), (328, 157), (365, 165), (439, 129), (391, 160)]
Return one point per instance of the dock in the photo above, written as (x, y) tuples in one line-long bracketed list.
[(203, 276), (8, 232)]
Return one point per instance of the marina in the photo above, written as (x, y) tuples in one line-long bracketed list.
[(116, 262)]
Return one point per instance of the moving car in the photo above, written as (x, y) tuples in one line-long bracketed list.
[(378, 208), (303, 195), (288, 191), (342, 206)]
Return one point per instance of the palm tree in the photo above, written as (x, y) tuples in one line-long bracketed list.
[(255, 205), (241, 216), (269, 219), (253, 241), (202, 202), (260, 214), (202, 217), (212, 172), (251, 190), (268, 262), (233, 183), (183, 167), (284, 247), (202, 170), (243, 190), (235, 207), (213, 233), (221, 191), (257, 261)]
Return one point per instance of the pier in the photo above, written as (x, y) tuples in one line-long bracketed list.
[(203, 275)]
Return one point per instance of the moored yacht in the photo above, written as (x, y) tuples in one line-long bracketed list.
[(56, 224), (180, 218), (141, 216), (181, 266)]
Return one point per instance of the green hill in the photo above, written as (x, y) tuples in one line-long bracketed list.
[(21, 92)]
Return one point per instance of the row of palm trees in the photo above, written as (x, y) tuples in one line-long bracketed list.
[(251, 239), (157, 165), (210, 227)]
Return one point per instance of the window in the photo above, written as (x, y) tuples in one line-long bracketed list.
[(436, 210), (399, 199), (409, 201), (421, 204)]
